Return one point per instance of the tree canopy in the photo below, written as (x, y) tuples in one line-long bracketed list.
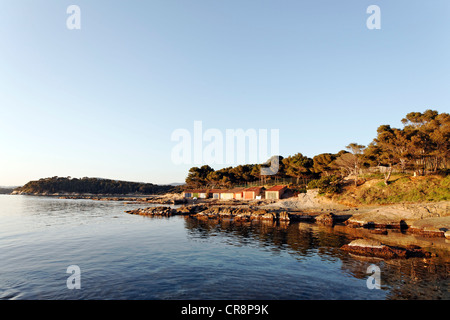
[(421, 146)]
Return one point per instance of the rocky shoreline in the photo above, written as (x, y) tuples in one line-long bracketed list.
[(424, 220), (428, 220), (241, 213)]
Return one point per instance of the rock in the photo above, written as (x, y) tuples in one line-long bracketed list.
[(259, 212), (368, 243), (237, 213), (447, 234), (373, 248), (185, 210), (385, 218), (153, 211), (242, 217), (327, 219), (202, 216), (430, 227), (197, 208), (303, 217), (268, 216), (402, 216)]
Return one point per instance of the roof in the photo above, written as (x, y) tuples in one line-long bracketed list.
[(225, 191), (217, 191), (276, 188)]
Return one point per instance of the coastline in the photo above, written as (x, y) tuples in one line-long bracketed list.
[(430, 219), (391, 223), (403, 226)]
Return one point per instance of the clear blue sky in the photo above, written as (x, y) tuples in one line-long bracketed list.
[(103, 101)]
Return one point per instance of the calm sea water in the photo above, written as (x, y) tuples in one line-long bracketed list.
[(124, 256)]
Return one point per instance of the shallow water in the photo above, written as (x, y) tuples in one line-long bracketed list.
[(124, 256)]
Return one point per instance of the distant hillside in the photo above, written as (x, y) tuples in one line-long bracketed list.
[(90, 185)]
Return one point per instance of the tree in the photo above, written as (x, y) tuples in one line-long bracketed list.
[(392, 147), (371, 155), (429, 134), (256, 172), (322, 163), (440, 136), (351, 162), (197, 177), (214, 179), (345, 163), (298, 166)]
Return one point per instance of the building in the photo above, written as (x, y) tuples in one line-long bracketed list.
[(238, 193), (196, 193), (227, 195), (186, 194), (252, 193), (215, 193), (275, 193)]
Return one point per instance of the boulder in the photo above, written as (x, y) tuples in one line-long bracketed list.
[(327, 219)]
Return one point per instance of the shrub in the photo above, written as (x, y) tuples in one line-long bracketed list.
[(326, 184)]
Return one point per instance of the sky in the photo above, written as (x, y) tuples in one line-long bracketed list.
[(105, 99)]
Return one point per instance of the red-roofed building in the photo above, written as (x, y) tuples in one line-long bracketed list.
[(252, 193), (275, 193), (238, 193)]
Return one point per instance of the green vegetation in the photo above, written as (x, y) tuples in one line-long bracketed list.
[(401, 189), (326, 184), (91, 185)]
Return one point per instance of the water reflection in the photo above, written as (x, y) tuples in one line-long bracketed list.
[(414, 278)]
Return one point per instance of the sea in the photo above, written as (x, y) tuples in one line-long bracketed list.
[(66, 249)]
